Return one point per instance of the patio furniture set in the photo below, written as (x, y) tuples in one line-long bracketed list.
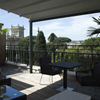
[(85, 78)]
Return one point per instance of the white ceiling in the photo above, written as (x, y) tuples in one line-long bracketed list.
[(37, 10)]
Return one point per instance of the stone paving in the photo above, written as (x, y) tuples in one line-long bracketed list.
[(30, 84)]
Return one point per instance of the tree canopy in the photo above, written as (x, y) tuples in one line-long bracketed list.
[(62, 40), (92, 41), (40, 41), (3, 31), (25, 41), (52, 37), (40, 47)]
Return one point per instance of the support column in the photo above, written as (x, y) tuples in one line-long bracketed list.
[(30, 47)]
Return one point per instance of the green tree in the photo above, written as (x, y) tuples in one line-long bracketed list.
[(24, 46), (62, 40), (52, 37), (93, 30), (2, 31), (2, 43), (40, 49), (92, 41), (40, 42), (25, 42)]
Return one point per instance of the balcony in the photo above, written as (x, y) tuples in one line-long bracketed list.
[(22, 80)]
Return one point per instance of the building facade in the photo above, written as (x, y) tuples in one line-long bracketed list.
[(17, 33)]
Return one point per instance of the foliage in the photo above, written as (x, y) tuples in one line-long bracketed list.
[(2, 94), (52, 37), (58, 43), (3, 31), (94, 31), (96, 20), (50, 47), (25, 41), (24, 46), (62, 40), (40, 42), (92, 41), (40, 47)]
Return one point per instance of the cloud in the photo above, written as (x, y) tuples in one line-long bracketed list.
[(75, 28)]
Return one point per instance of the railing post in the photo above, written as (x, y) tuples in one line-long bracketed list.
[(30, 47), (54, 54), (62, 56), (92, 56)]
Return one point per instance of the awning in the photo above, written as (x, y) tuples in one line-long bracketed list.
[(37, 10)]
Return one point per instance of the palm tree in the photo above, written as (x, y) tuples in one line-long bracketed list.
[(93, 30)]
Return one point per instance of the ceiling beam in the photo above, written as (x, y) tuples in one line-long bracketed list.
[(69, 15)]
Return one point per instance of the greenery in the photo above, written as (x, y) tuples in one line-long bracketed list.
[(2, 31), (40, 47), (24, 46), (58, 43), (52, 37), (2, 95), (92, 41), (25, 41), (40, 42), (94, 31), (62, 40), (61, 51)]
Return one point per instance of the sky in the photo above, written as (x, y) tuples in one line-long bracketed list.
[(75, 28)]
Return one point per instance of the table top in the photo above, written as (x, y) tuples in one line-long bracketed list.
[(66, 65), (10, 92)]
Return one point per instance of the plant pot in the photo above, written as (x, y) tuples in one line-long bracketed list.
[(2, 49)]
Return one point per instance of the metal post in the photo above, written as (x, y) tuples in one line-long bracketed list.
[(30, 47), (65, 79)]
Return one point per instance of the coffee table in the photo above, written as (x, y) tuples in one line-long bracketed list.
[(65, 66), (12, 93)]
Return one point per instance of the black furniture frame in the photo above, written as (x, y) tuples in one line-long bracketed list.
[(46, 69), (65, 66)]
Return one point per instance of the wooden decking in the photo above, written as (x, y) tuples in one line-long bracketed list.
[(29, 84)]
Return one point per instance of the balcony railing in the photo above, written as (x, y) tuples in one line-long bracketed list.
[(86, 54)]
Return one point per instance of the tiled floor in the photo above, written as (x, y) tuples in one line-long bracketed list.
[(29, 84)]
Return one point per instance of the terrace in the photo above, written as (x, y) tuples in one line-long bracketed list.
[(29, 84), (39, 10)]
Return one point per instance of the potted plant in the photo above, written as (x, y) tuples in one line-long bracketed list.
[(2, 92), (2, 44)]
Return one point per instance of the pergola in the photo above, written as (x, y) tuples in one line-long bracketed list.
[(38, 10)]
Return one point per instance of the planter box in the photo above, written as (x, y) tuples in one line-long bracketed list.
[(2, 49)]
